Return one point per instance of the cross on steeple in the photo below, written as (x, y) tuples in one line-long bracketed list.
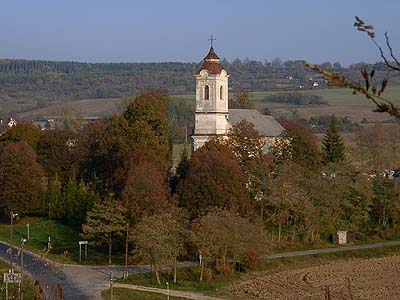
[(212, 40)]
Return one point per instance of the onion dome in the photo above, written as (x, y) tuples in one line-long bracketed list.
[(211, 63)]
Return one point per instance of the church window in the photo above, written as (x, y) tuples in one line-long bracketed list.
[(206, 93), (221, 93)]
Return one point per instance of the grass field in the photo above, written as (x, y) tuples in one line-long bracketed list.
[(126, 294), (187, 280), (341, 102), (64, 241)]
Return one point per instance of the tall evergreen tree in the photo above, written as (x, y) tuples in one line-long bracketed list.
[(333, 145)]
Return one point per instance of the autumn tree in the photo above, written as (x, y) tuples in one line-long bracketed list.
[(247, 145), (385, 202), (23, 132), (241, 100), (59, 153), (287, 202), (104, 223), (21, 179), (159, 239), (302, 146), (145, 189), (225, 237), (333, 145), (214, 179)]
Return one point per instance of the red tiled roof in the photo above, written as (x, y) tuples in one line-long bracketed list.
[(211, 63), (211, 54)]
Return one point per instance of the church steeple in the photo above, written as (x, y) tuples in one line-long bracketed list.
[(211, 117), (211, 63)]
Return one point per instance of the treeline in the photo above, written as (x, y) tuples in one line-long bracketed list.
[(231, 201), (29, 84), (296, 99)]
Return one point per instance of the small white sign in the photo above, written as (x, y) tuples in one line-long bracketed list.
[(12, 277), (83, 242)]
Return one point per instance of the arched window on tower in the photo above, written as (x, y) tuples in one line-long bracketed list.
[(206, 93), (221, 95)]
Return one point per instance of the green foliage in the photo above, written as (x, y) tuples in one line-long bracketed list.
[(303, 145), (385, 203), (127, 294), (333, 145), (25, 132), (160, 239), (296, 99), (323, 122), (183, 166), (105, 222), (241, 100), (224, 236)]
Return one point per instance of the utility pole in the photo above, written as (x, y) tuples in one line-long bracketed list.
[(111, 286), (23, 241), (49, 219), (126, 251), (12, 216)]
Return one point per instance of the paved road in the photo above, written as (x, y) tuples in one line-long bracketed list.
[(331, 250), (79, 282)]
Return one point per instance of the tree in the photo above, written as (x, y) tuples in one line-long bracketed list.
[(59, 152), (145, 189), (287, 200), (181, 170), (214, 178), (303, 146), (26, 132), (242, 100), (159, 239), (332, 145), (152, 108), (385, 202), (21, 179), (247, 145), (104, 223), (224, 236)]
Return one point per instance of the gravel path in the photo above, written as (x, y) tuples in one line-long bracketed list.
[(182, 294)]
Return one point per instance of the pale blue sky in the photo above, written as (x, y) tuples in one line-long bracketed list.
[(177, 30)]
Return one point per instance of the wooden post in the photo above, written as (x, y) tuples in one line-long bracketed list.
[(126, 251), (327, 293), (111, 286)]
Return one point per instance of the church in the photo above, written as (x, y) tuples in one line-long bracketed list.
[(212, 116)]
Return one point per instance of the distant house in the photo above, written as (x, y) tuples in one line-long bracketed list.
[(11, 123)]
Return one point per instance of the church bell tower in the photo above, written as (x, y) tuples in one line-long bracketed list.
[(211, 116)]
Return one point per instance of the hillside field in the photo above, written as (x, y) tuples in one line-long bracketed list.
[(341, 102)]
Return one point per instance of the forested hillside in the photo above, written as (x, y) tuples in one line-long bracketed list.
[(29, 84)]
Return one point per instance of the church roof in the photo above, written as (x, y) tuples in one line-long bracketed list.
[(211, 63), (211, 55), (265, 125)]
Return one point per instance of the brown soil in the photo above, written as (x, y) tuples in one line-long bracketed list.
[(364, 279)]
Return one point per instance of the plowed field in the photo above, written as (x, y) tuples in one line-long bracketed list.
[(366, 279)]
